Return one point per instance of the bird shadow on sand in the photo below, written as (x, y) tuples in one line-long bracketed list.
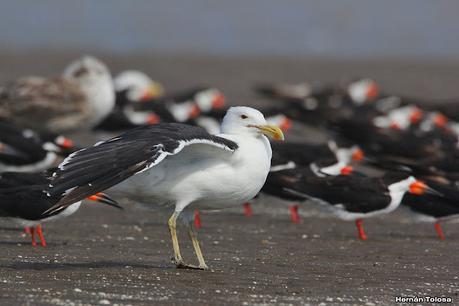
[(84, 265)]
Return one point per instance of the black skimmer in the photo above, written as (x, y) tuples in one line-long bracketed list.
[(281, 120), (427, 125), (386, 141), (22, 199), (425, 147), (442, 168), (362, 91), (447, 166), (174, 164), (280, 178), (289, 155), (444, 107), (354, 197), (132, 87), (209, 99), (205, 98), (138, 86), (168, 110), (356, 92), (401, 118), (185, 105), (431, 105), (81, 98), (436, 207), (199, 106), (25, 150), (305, 153)]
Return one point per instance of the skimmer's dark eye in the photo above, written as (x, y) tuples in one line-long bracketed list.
[(244, 117)]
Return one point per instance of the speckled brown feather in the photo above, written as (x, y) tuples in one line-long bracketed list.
[(37, 102)]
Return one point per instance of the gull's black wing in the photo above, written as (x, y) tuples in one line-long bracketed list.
[(107, 163)]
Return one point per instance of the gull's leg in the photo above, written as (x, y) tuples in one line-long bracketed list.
[(188, 219), (197, 248), (172, 222)]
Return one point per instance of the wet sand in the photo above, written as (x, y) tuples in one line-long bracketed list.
[(104, 256)]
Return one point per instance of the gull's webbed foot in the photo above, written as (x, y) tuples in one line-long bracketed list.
[(182, 265)]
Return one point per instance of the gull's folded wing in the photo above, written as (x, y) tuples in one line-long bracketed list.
[(107, 163)]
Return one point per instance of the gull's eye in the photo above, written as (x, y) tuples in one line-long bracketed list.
[(244, 117)]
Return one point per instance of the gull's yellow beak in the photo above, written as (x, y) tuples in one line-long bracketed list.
[(272, 131)]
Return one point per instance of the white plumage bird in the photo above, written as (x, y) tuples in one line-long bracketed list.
[(175, 164)]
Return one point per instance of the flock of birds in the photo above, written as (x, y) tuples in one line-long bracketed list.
[(383, 151)]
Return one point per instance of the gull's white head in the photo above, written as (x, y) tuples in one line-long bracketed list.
[(242, 120), (94, 79), (138, 86)]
